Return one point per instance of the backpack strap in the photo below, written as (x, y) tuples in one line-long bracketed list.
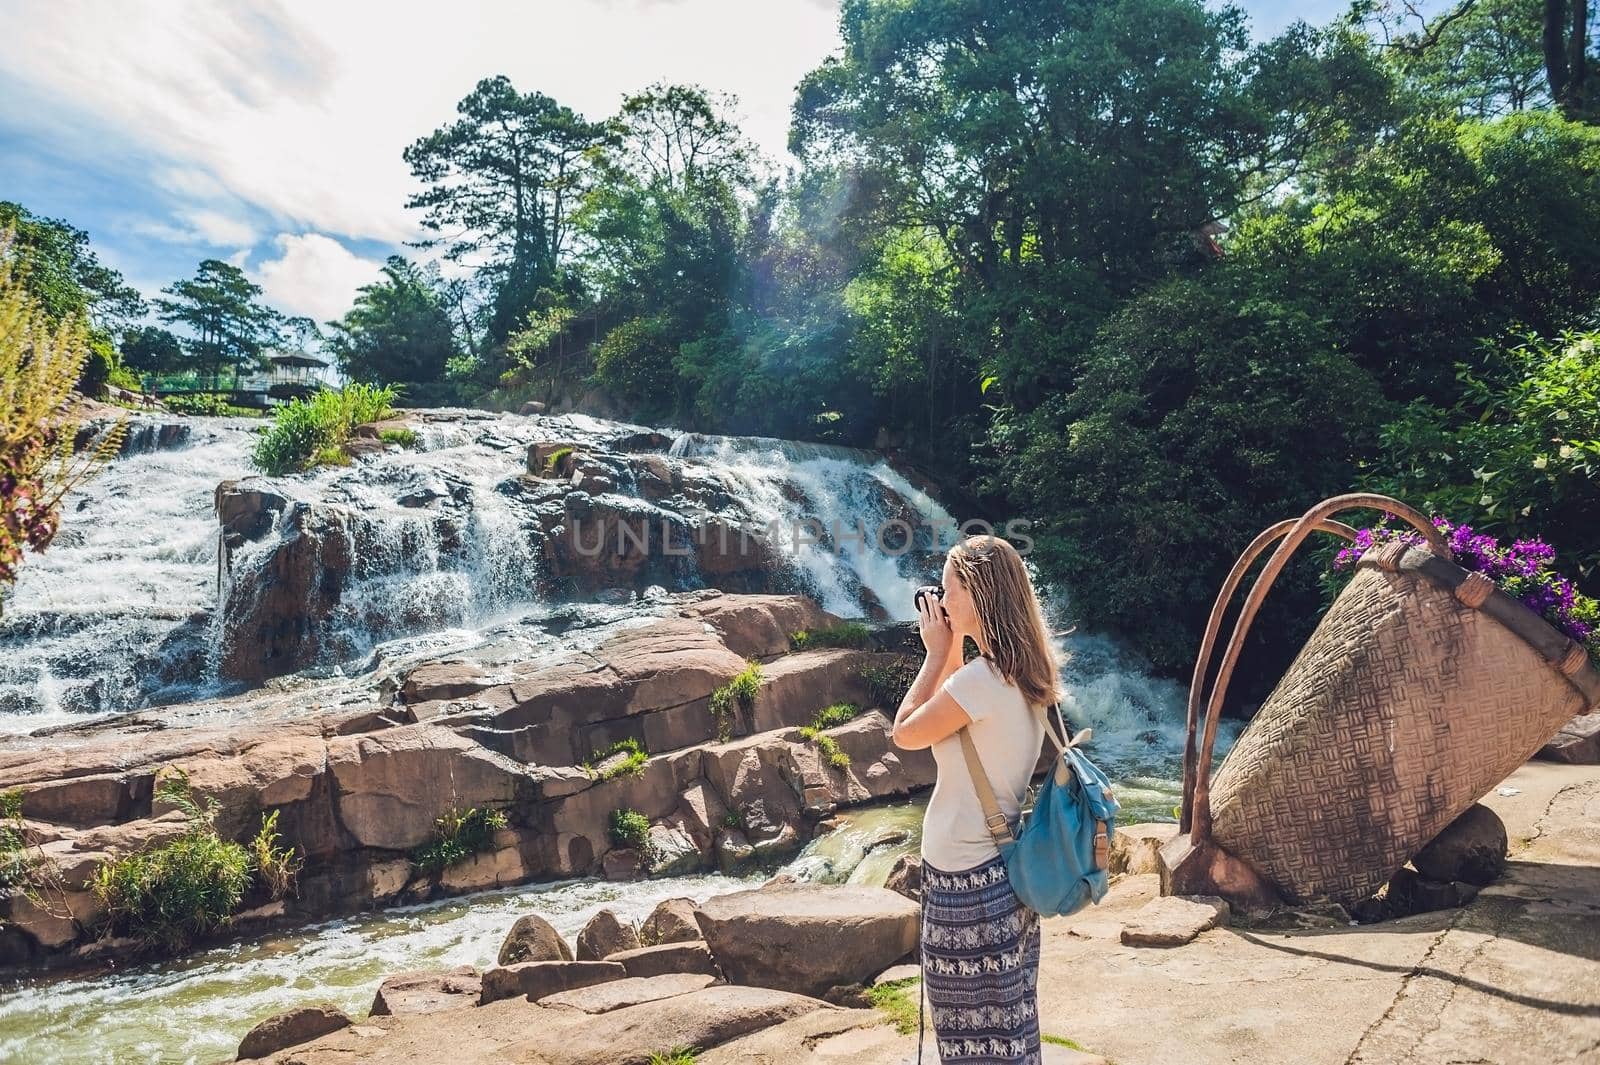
[(993, 817)]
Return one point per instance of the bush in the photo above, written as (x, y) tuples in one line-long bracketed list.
[(1204, 412), (633, 764), (635, 364), (827, 718), (844, 634), (17, 865), (553, 461), (204, 403), (458, 835), (827, 745), (40, 360), (98, 368), (1519, 456), (277, 867), (675, 1056), (171, 894), (309, 431), (894, 998), (630, 828), (739, 693), (837, 714), (403, 437)]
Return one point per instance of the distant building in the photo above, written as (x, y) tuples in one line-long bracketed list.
[(290, 375)]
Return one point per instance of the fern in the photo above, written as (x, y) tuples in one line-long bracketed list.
[(40, 361)]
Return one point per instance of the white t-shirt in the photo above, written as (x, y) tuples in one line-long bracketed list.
[(1008, 734)]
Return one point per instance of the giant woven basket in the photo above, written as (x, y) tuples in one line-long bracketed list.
[(1421, 689)]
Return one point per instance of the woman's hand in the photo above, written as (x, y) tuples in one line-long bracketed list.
[(933, 625)]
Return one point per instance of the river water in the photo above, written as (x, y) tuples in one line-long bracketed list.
[(120, 614)]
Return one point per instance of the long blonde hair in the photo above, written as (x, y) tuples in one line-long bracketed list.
[(1009, 613)]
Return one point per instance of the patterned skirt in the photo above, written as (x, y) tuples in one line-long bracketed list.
[(980, 965)]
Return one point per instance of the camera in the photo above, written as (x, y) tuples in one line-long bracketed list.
[(935, 590)]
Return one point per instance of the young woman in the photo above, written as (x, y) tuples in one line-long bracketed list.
[(980, 944)]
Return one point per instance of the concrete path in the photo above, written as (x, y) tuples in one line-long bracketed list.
[(1513, 978)]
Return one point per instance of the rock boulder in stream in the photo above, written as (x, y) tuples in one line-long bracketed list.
[(808, 938)]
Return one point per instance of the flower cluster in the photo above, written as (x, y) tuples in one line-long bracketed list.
[(1523, 571)]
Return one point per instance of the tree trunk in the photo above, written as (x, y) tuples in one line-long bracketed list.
[(1555, 54), (1577, 58)]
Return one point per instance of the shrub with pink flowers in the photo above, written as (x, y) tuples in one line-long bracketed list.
[(1525, 570)]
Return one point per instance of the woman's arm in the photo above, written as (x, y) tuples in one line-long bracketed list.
[(928, 714)]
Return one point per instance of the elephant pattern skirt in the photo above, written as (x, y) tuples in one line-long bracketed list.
[(980, 965)]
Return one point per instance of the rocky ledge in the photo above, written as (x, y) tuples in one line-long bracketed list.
[(357, 789), (779, 973)]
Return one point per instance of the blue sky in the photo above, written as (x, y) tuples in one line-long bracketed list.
[(270, 135)]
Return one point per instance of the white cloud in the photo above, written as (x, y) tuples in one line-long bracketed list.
[(214, 227), (298, 112), (313, 275)]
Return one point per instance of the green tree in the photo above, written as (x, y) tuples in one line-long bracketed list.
[(1484, 56), (398, 331), (1065, 154), (501, 183), (664, 240), (228, 324), (1209, 408), (64, 276), (149, 349)]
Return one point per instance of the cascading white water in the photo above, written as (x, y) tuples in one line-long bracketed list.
[(101, 620), (120, 613), (833, 510)]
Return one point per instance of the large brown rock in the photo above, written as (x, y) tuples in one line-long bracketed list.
[(427, 991), (1173, 920), (604, 935), (672, 921), (275, 614), (280, 770), (536, 979), (629, 991), (759, 626), (704, 1018), (533, 938), (753, 777), (85, 801), (246, 510), (797, 685), (905, 878), (393, 784), (686, 957), (291, 1028), (807, 938), (1471, 848), (1578, 741), (1137, 848), (669, 663)]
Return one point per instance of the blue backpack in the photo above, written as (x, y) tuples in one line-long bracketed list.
[(1058, 861)]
